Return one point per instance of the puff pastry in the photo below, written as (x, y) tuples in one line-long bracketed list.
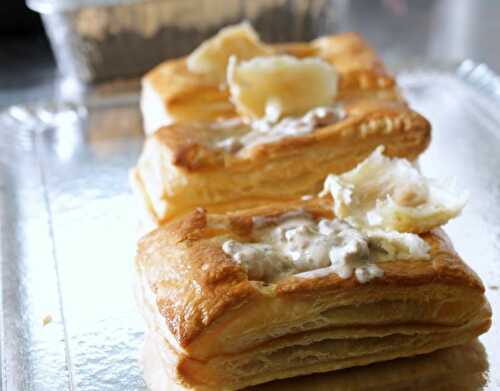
[(215, 328), (171, 92)]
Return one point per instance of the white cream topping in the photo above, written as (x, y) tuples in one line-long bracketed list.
[(296, 244), (265, 131), (391, 194)]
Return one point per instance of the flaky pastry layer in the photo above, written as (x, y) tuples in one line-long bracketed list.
[(339, 349)]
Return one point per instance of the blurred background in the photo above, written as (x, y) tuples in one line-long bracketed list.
[(94, 41)]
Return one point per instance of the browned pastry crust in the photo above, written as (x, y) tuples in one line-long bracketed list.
[(217, 325)]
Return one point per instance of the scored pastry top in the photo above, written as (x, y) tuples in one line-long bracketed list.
[(390, 193)]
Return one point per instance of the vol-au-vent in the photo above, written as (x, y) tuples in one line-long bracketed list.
[(214, 166), (298, 112), (225, 319)]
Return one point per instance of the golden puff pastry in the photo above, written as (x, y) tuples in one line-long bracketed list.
[(224, 320), (227, 165), (174, 91)]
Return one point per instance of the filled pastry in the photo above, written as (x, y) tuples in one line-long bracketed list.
[(360, 274), (195, 88), (294, 118)]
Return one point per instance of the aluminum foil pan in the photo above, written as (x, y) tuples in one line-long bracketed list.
[(68, 234), (101, 39)]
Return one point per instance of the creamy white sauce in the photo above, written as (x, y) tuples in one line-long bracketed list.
[(260, 260), (265, 131), (295, 244)]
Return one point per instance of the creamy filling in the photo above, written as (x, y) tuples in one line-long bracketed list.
[(265, 131), (380, 206), (296, 244)]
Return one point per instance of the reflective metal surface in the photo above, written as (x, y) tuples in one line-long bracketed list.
[(68, 232), (68, 239)]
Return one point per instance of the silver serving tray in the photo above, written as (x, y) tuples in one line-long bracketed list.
[(68, 227)]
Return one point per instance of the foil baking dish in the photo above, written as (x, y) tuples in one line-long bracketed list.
[(95, 40), (68, 234)]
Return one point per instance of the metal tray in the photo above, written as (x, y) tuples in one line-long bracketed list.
[(68, 229)]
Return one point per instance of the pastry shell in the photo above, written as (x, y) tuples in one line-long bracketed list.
[(217, 330)]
